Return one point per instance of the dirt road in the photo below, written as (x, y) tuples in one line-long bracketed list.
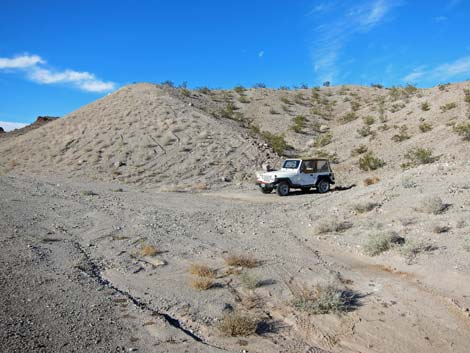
[(74, 278)]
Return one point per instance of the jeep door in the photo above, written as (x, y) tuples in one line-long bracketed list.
[(308, 177)]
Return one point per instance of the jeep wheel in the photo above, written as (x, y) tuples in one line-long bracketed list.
[(323, 186), (305, 190), (266, 190), (282, 189)]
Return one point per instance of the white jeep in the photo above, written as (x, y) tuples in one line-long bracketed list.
[(297, 174)]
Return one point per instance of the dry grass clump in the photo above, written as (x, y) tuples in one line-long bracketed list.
[(202, 271), (249, 282), (88, 193), (413, 249), (438, 229), (371, 180), (202, 283), (236, 324), (364, 207), (425, 106), (324, 299), (359, 150), (149, 250), (433, 205), (425, 126), (448, 106), (379, 243), (245, 261), (332, 225)]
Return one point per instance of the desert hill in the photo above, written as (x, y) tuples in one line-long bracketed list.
[(183, 139)]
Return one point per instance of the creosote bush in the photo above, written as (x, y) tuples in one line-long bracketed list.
[(402, 134), (448, 106), (299, 123), (463, 130), (236, 324), (370, 162), (433, 205), (323, 140), (245, 261), (369, 120), (425, 127), (417, 156), (332, 225), (425, 107)]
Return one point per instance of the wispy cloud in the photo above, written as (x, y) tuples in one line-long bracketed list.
[(439, 19), (9, 126), (261, 54), (36, 71), (446, 71), (334, 31)]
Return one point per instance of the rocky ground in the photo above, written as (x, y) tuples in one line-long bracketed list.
[(89, 266)]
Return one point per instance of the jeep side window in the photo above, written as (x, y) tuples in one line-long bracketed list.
[(308, 167), (322, 167)]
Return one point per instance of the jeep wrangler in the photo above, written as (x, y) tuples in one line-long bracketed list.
[(297, 174)]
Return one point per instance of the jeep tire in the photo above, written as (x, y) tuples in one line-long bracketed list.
[(323, 186), (282, 188)]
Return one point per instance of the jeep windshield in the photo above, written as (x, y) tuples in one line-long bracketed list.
[(291, 164)]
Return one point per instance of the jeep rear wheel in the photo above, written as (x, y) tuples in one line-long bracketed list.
[(282, 189), (323, 186), (266, 190)]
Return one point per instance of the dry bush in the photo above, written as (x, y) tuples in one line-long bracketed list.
[(202, 283), (425, 106), (245, 261), (433, 205), (236, 324), (371, 180), (448, 106), (377, 244), (200, 186), (413, 249), (149, 250), (324, 299), (332, 225), (202, 271), (88, 193), (364, 207), (425, 127), (359, 150), (440, 229)]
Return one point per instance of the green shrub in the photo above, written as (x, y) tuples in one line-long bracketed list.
[(323, 140), (377, 244), (463, 130), (448, 106), (364, 131), (369, 120), (285, 100), (425, 107), (359, 150), (355, 105), (402, 134), (277, 142), (417, 156), (370, 162), (299, 123), (243, 99), (348, 117), (425, 127), (239, 89)]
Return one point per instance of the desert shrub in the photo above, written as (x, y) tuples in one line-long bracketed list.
[(202, 271), (277, 142), (425, 127), (259, 85), (236, 324), (359, 150), (371, 180), (370, 162), (149, 250), (185, 92), (348, 117), (466, 93), (204, 90), (443, 86), (243, 99), (369, 120), (299, 123), (425, 107), (88, 193), (364, 207), (463, 130), (248, 281), (410, 90), (448, 106), (417, 156), (323, 140), (396, 107), (355, 105), (324, 299), (332, 225), (395, 93), (364, 131), (202, 283), (408, 183), (433, 205), (245, 261), (402, 134), (285, 100), (377, 244), (376, 85), (440, 229), (411, 249), (239, 89)]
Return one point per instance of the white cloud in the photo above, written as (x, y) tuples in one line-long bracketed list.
[(37, 72), (332, 35), (261, 54), (20, 62), (441, 72), (9, 126)]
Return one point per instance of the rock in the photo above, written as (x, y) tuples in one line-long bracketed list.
[(324, 128), (1, 130)]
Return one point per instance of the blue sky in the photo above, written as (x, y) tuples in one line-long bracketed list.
[(56, 56)]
